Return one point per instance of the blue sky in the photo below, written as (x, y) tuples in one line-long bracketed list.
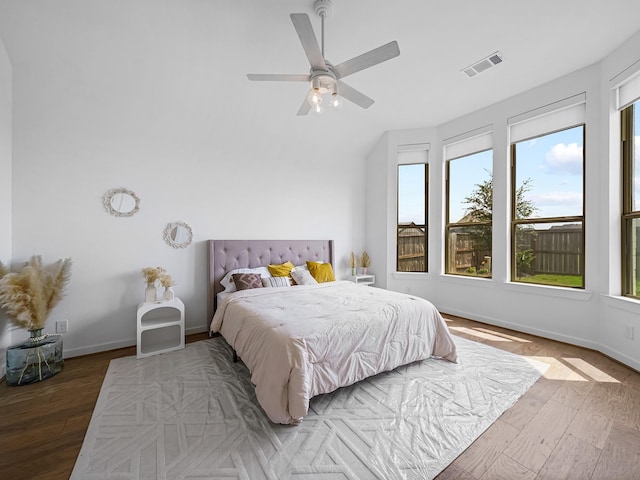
[(464, 174), (411, 193), (554, 163)]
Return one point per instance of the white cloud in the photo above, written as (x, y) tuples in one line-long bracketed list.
[(563, 158), (556, 198)]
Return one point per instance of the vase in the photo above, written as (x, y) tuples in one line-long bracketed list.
[(353, 271), (168, 294), (151, 293), (35, 359), (364, 270)]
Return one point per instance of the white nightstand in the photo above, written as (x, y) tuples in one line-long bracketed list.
[(160, 327), (362, 279)]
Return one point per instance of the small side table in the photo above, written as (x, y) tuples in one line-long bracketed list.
[(160, 327), (362, 279)]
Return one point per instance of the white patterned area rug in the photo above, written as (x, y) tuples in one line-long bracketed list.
[(192, 414)]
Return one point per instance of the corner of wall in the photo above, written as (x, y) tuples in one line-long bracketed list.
[(375, 208)]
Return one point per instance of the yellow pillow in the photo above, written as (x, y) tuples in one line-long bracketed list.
[(281, 270), (322, 272)]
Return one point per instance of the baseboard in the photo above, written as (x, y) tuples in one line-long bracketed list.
[(194, 330), (129, 342), (621, 357), (581, 342)]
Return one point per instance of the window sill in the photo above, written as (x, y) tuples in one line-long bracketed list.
[(468, 280), (622, 303), (550, 291), (411, 275)]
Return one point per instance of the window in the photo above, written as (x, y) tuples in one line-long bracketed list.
[(630, 137), (469, 208), (547, 195), (411, 236)]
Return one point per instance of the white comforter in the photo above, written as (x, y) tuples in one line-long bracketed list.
[(302, 341)]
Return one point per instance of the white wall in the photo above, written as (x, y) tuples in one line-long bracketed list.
[(595, 317), (5, 183), (110, 97)]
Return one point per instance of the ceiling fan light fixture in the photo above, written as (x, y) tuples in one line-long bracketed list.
[(336, 101), (314, 97)]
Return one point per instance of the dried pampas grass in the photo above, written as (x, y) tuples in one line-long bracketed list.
[(28, 296), (365, 261), (352, 260), (153, 274)]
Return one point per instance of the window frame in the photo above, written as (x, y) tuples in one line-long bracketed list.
[(627, 123), (450, 225), (424, 226), (515, 222)]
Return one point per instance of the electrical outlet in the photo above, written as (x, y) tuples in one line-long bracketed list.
[(628, 332), (61, 326)]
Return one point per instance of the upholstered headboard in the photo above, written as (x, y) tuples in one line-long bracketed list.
[(225, 255)]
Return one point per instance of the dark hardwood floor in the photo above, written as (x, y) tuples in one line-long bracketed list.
[(581, 420)]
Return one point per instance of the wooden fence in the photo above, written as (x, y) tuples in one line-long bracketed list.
[(556, 251), (463, 254), (411, 249)]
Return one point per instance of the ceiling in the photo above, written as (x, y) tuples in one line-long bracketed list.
[(199, 52)]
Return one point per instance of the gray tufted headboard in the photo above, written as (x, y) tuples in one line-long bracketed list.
[(225, 255)]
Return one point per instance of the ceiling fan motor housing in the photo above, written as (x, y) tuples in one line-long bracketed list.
[(323, 83), (323, 8)]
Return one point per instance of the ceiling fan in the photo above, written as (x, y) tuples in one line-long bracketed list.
[(324, 77)]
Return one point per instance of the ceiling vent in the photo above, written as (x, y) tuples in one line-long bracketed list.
[(482, 65)]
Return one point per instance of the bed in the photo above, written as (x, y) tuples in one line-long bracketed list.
[(305, 340)]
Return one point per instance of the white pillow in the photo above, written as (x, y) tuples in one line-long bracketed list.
[(227, 280), (303, 277), (276, 282)]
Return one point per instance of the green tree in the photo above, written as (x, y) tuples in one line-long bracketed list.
[(480, 201), (480, 210)]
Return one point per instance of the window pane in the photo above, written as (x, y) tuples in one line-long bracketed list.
[(549, 253), (412, 209), (411, 194), (470, 188), (469, 250), (632, 258), (635, 164), (549, 172), (412, 255)]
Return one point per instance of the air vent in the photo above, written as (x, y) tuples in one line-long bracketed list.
[(482, 65)]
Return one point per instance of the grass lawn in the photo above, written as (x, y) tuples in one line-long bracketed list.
[(556, 280)]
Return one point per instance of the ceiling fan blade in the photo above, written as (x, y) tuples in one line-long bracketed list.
[(354, 95), (304, 108), (308, 39), (368, 59), (277, 77)]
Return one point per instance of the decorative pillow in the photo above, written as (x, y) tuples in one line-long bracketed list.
[(246, 281), (227, 280), (303, 277), (322, 272), (276, 282), (281, 270)]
